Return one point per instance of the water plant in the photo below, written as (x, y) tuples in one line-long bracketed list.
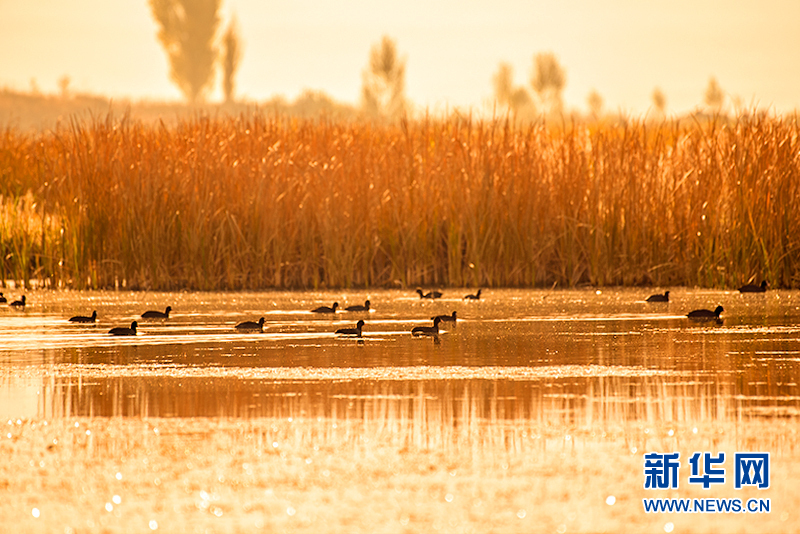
[(259, 201)]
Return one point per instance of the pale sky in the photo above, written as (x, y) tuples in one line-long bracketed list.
[(621, 48)]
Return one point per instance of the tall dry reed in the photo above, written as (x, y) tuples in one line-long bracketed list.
[(259, 201)]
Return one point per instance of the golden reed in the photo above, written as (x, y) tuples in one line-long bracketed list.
[(259, 201)]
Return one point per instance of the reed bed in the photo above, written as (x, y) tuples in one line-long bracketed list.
[(258, 201)]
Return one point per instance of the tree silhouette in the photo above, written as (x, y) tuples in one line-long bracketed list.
[(187, 31), (503, 83), (515, 99), (548, 79), (231, 56), (63, 86), (595, 102), (384, 81), (714, 96), (659, 101)]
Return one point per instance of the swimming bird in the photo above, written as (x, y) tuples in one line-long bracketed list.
[(659, 298), (445, 318), (3, 300), (753, 288), (84, 319), (352, 331), (250, 325), (430, 294), (326, 309), (18, 303), (705, 315), (124, 331), (358, 307), (476, 296), (427, 330), (151, 314)]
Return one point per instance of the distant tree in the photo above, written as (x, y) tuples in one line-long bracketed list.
[(659, 101), (187, 33), (63, 86), (714, 97), (384, 81), (595, 102), (503, 83), (231, 56), (548, 79), (515, 99)]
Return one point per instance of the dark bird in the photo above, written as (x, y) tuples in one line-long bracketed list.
[(3, 300), (251, 325), (427, 330), (18, 303), (326, 309), (705, 315), (84, 319), (476, 296), (352, 331), (152, 314), (124, 331), (358, 307), (430, 294), (445, 318), (753, 288), (659, 298)]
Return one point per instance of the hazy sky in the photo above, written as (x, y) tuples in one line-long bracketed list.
[(621, 48)]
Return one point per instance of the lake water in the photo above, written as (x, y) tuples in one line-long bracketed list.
[(563, 356)]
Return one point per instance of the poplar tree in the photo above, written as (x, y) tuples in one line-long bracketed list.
[(659, 101), (595, 102), (231, 56), (516, 99), (384, 81), (714, 97), (187, 32), (548, 79)]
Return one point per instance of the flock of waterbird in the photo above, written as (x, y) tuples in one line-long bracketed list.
[(18, 304), (357, 330), (711, 315), (433, 330), (258, 326)]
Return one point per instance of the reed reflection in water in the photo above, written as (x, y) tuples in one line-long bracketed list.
[(425, 404)]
